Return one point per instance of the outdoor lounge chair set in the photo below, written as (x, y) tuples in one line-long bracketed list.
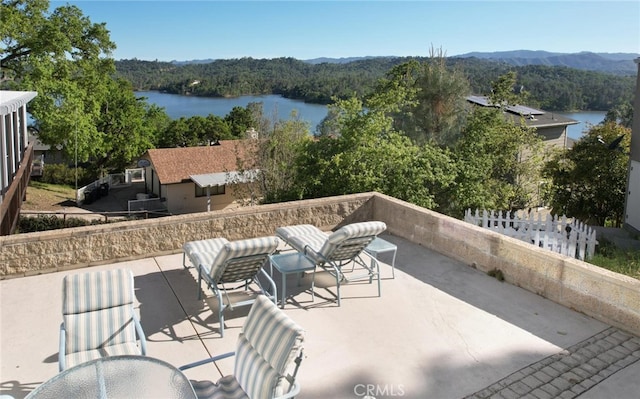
[(99, 318), (220, 262)]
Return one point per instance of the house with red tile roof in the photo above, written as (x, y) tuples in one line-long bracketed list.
[(200, 179)]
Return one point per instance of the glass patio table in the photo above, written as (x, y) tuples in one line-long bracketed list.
[(291, 263), (126, 376), (378, 246)]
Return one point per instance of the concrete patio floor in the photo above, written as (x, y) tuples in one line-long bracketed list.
[(441, 329)]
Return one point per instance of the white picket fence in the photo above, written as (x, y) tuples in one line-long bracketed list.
[(558, 234)]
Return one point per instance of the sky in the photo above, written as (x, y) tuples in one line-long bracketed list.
[(166, 30)]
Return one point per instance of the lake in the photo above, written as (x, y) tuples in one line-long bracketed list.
[(586, 119), (177, 106)]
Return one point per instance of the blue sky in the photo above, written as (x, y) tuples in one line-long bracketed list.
[(186, 30)]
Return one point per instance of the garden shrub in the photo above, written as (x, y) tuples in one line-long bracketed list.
[(50, 222), (63, 174)]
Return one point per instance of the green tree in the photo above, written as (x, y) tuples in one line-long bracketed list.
[(368, 155), (502, 90), (429, 99), (194, 131), (588, 181), (621, 113), (266, 165), (496, 163), (240, 120), (66, 58), (441, 108)]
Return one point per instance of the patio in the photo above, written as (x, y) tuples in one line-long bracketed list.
[(441, 329)]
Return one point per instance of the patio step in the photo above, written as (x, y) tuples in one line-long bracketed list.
[(571, 372)]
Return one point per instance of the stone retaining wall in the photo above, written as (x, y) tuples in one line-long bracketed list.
[(609, 297), (50, 251)]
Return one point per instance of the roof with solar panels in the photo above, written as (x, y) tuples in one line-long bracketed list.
[(531, 116)]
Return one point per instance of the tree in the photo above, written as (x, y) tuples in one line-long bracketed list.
[(588, 181), (240, 120), (279, 155), (621, 113), (429, 99), (369, 155), (495, 160), (441, 105), (266, 168), (194, 131), (80, 106), (502, 91)]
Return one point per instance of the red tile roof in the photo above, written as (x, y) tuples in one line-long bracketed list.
[(174, 165)]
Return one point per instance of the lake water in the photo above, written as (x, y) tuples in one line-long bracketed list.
[(586, 119), (177, 106)]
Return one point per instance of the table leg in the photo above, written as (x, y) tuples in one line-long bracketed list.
[(284, 289), (101, 382)]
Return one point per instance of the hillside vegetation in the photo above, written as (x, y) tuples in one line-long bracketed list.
[(549, 87)]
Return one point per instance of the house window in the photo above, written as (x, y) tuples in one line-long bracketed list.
[(213, 190)]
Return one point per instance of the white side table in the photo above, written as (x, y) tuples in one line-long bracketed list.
[(379, 246)]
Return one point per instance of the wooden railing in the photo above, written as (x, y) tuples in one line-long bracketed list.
[(12, 200)]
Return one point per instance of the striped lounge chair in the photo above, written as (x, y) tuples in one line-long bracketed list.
[(333, 251), (267, 357), (222, 263), (99, 318)]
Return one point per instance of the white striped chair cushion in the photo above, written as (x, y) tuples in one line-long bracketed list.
[(128, 348), (236, 249), (209, 245), (301, 236), (365, 230), (323, 245), (227, 387), (272, 333), (255, 376), (100, 328), (97, 290), (269, 342), (97, 311), (304, 230)]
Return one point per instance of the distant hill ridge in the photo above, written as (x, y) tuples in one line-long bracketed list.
[(615, 63)]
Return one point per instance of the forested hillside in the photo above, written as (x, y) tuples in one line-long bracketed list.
[(615, 63), (550, 87)]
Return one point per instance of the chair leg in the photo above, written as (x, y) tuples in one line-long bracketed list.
[(199, 283), (377, 272), (220, 312), (338, 287)]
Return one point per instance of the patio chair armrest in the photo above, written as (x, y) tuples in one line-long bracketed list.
[(295, 389), (308, 248), (143, 339), (62, 348), (205, 361), (274, 289)]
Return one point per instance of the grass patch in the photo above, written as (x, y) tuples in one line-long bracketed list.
[(618, 260), (55, 188), (48, 197)]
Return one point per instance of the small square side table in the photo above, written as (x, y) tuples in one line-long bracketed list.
[(291, 263), (378, 246)]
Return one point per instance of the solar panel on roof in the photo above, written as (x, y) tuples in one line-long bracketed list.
[(524, 111), (480, 100)]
